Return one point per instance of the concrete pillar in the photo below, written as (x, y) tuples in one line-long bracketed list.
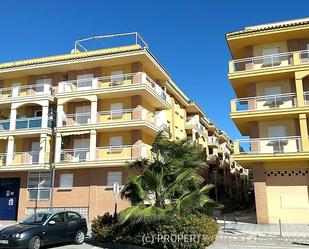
[(233, 105), (45, 116), (260, 194), (236, 147), (10, 150), (42, 149), (136, 143), (93, 145), (299, 91), (58, 148), (59, 115), (136, 101), (303, 132), (13, 119), (94, 111)]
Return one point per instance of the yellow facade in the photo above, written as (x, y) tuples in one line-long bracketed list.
[(269, 74)]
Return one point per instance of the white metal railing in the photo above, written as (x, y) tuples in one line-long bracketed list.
[(112, 81), (306, 97), (213, 140), (304, 56), (287, 100), (75, 155), (26, 90), (260, 62), (77, 119), (122, 152), (270, 145)]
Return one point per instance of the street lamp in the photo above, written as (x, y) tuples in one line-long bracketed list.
[(40, 184), (216, 190), (116, 194)]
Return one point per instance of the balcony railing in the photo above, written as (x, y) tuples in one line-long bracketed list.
[(114, 81), (121, 152), (75, 155), (26, 90), (306, 98), (270, 145), (77, 119), (266, 102), (115, 116), (125, 152), (24, 123), (212, 140), (260, 62)]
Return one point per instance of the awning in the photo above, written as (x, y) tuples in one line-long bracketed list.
[(70, 133)]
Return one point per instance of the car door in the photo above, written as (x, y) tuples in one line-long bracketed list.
[(73, 224), (55, 233)]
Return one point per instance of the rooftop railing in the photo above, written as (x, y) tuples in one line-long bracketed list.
[(287, 100), (270, 145), (26, 90), (113, 81)]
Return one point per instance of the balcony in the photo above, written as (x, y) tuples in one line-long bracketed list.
[(194, 123), (213, 141), (287, 59), (267, 102), (24, 124), (28, 158), (22, 91), (106, 153), (118, 85), (270, 145), (122, 117)]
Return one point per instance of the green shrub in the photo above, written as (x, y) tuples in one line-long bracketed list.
[(106, 229)]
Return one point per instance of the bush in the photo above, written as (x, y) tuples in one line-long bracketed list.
[(192, 231)]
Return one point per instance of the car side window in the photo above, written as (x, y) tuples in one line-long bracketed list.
[(73, 216), (60, 217)]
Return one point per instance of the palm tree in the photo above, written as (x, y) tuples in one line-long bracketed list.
[(167, 184)]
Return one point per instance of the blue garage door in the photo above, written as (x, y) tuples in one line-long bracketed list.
[(9, 193)]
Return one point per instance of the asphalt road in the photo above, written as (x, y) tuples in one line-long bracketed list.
[(217, 245)]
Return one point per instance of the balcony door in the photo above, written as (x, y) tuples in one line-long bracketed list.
[(82, 114), (81, 150), (35, 152), (277, 138), (270, 57), (84, 81), (117, 78), (41, 85)]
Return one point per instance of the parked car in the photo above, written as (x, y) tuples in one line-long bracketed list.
[(45, 228)]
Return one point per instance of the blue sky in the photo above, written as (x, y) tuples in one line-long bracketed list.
[(188, 37)]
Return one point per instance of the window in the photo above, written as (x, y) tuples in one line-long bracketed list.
[(38, 113), (116, 110), (117, 78), (114, 176), (273, 90), (58, 218), (39, 185), (66, 181), (270, 57), (116, 144), (73, 216), (84, 81), (276, 131)]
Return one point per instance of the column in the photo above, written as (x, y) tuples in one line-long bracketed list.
[(10, 150), (303, 132), (58, 148), (59, 115), (42, 149), (45, 116), (137, 143), (13, 119), (94, 111), (260, 194), (299, 91), (93, 145)]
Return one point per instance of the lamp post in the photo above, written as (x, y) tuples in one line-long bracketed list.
[(52, 114), (216, 191), (116, 194), (38, 195)]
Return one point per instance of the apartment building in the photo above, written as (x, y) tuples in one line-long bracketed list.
[(70, 123), (269, 74)]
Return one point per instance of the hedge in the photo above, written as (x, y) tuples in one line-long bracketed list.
[(179, 232)]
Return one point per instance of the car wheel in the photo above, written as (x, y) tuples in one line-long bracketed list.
[(80, 237), (35, 243)]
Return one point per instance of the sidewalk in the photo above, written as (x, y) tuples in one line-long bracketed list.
[(242, 228)]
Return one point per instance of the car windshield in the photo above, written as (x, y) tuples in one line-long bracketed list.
[(36, 219)]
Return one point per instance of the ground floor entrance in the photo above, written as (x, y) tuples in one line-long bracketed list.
[(9, 197)]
